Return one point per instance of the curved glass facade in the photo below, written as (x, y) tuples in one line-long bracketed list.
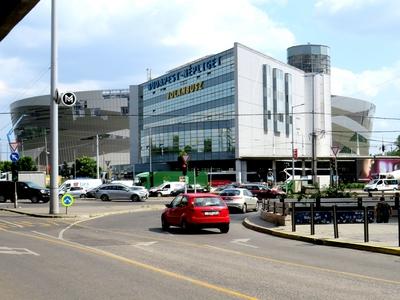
[(352, 124), (310, 58), (103, 113)]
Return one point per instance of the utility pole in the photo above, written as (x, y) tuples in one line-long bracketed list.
[(97, 156), (293, 106), (314, 137), (54, 206)]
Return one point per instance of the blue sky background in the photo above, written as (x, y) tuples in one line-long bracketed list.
[(109, 45)]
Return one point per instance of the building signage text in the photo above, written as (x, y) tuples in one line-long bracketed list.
[(191, 70), (186, 90)]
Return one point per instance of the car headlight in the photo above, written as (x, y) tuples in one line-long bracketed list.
[(43, 191)]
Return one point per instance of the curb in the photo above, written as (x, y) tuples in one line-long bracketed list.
[(319, 241), (86, 215)]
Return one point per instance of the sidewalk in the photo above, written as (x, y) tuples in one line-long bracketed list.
[(383, 237)]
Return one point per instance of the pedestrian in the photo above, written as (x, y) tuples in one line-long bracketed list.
[(383, 211)]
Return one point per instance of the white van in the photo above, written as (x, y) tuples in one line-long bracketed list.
[(85, 183), (382, 185), (166, 188)]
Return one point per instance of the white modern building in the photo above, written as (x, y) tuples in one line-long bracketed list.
[(238, 111)]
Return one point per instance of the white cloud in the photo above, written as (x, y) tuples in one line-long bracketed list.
[(368, 83), (334, 6), (203, 25), (228, 21)]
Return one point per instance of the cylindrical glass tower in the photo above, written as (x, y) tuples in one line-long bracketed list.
[(310, 58)]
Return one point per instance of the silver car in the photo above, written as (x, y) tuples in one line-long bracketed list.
[(108, 192), (239, 198)]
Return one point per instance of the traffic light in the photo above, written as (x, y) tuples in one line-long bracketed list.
[(295, 153), (14, 171)]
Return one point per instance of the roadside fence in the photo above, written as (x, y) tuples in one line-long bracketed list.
[(330, 211)]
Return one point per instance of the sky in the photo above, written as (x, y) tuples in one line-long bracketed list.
[(106, 44)]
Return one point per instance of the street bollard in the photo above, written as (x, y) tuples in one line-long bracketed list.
[(274, 207), (268, 205), (335, 223), (293, 217), (366, 232), (359, 202), (283, 208), (396, 201), (263, 204), (312, 219)]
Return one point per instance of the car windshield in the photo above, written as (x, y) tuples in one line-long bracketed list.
[(33, 185), (207, 201), (230, 193)]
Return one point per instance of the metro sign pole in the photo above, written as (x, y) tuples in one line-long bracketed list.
[(54, 205)]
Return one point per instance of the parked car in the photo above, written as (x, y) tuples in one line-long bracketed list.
[(262, 191), (201, 210), (108, 192), (239, 198), (75, 191), (25, 190), (190, 189)]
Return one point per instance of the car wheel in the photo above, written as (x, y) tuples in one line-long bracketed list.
[(164, 224), (82, 196), (159, 195), (224, 228), (185, 226), (2, 198), (104, 198), (135, 198), (34, 199), (244, 209)]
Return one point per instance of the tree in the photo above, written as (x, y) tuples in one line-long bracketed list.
[(65, 170), (26, 163), (86, 167), (5, 166)]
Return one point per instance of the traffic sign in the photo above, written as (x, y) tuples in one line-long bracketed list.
[(68, 99), (67, 200), (14, 157)]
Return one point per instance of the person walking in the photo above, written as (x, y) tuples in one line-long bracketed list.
[(383, 211)]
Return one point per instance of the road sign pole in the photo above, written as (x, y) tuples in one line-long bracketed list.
[(54, 206), (16, 195)]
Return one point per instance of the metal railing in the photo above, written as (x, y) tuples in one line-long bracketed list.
[(364, 206)]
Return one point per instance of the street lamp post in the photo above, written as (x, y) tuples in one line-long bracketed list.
[(293, 106)]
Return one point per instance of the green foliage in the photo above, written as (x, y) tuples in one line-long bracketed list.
[(5, 166), (65, 171), (26, 163), (86, 167)]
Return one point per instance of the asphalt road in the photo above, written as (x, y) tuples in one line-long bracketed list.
[(129, 257)]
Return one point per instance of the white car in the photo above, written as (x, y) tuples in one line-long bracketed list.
[(75, 191), (143, 192), (239, 198)]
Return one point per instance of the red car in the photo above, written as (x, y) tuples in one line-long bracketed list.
[(201, 210)]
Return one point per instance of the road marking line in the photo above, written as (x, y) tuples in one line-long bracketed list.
[(17, 251), (243, 242), (11, 223), (138, 264), (293, 264)]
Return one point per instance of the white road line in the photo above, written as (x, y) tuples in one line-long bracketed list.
[(61, 234), (243, 242), (17, 251), (13, 224)]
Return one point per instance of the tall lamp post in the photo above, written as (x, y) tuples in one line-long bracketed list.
[(293, 106)]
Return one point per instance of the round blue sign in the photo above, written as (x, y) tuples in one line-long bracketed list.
[(14, 157)]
